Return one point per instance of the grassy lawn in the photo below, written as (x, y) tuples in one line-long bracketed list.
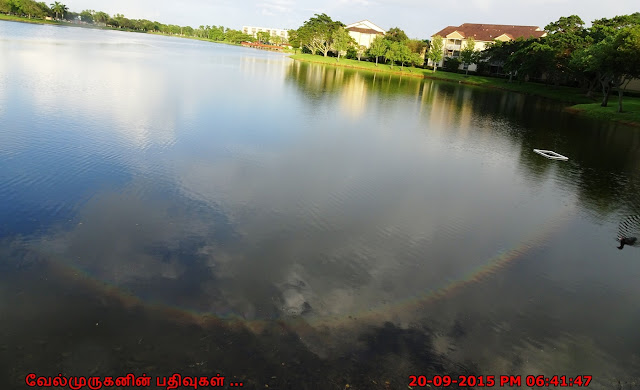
[(584, 105), (27, 20), (630, 110)]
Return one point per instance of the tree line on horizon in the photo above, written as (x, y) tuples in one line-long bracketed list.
[(59, 11)]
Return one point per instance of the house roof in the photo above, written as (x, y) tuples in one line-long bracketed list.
[(489, 32), (364, 30), (365, 24)]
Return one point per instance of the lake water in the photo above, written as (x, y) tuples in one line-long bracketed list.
[(170, 205)]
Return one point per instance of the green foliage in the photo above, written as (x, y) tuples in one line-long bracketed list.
[(378, 48), (26, 8), (393, 53), (316, 34), (263, 37), (395, 34), (469, 55), (351, 54), (236, 36), (341, 41), (451, 64), (398, 51), (416, 59), (101, 17), (87, 15), (417, 46), (59, 9), (294, 40), (436, 51), (360, 50)]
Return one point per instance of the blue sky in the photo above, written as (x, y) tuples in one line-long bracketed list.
[(419, 18)]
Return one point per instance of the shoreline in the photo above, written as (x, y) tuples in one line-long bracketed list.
[(578, 103)]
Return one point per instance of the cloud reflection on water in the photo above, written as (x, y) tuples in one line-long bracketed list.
[(253, 203)]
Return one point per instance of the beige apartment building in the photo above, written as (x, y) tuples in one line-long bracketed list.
[(454, 37), (364, 32)]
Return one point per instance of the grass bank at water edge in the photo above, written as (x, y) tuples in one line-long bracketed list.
[(583, 105)]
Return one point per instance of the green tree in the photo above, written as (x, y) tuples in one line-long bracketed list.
[(468, 55), (236, 36), (294, 40), (404, 53), (565, 36), (101, 17), (316, 34), (398, 51), (436, 51), (378, 48), (395, 34), (341, 41), (87, 15), (615, 60), (26, 7), (263, 36), (417, 46), (59, 9), (360, 51), (217, 33), (46, 11), (416, 59)]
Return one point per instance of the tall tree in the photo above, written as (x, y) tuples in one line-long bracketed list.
[(417, 46), (468, 54), (263, 36), (436, 51), (316, 34), (294, 40), (378, 48), (404, 53), (416, 59), (395, 34), (393, 53), (565, 36), (101, 17), (341, 41), (59, 9), (87, 15), (615, 60)]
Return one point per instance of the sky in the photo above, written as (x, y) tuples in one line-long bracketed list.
[(418, 18)]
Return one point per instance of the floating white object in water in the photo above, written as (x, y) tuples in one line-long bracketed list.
[(551, 154)]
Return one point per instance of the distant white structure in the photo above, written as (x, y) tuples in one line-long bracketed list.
[(364, 32), (253, 31)]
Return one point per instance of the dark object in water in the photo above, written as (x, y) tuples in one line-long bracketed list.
[(628, 230), (627, 241)]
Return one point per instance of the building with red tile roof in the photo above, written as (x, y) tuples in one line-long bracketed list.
[(454, 37)]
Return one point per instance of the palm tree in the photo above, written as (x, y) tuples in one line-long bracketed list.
[(59, 9)]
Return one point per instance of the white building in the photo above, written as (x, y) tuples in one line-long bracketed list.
[(253, 31), (364, 32)]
